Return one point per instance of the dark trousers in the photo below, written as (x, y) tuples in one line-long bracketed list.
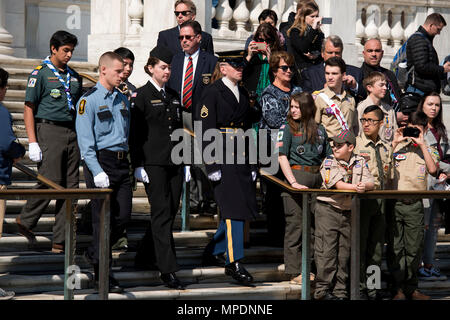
[(60, 163), (201, 193), (120, 200), (273, 209), (164, 192)]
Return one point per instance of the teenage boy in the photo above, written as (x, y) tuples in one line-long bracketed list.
[(413, 160), (377, 154), (344, 170), (126, 87), (375, 84), (336, 109)]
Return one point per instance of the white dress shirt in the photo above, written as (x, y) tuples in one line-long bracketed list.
[(232, 86), (194, 65)]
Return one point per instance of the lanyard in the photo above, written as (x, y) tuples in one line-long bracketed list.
[(66, 84)]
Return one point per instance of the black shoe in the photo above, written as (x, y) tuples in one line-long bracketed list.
[(171, 281), (363, 295), (238, 273), (213, 260), (114, 286)]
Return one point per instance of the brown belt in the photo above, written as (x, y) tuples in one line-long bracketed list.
[(312, 169)]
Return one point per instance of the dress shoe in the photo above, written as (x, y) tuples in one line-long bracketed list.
[(417, 295), (114, 286), (27, 233), (213, 260), (171, 280), (58, 248), (238, 273), (400, 295)]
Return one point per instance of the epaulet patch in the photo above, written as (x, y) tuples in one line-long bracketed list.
[(91, 91), (38, 67)]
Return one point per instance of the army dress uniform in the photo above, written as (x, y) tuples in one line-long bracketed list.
[(332, 222), (102, 124), (378, 157), (406, 221), (155, 115), (55, 132)]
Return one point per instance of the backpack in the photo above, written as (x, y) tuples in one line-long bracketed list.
[(399, 65)]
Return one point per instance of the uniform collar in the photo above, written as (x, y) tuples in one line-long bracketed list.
[(366, 141), (331, 94), (153, 82), (101, 89), (350, 162)]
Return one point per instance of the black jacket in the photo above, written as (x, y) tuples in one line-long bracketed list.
[(169, 38), (421, 55), (309, 42)]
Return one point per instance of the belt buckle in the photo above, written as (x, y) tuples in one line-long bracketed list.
[(120, 155)]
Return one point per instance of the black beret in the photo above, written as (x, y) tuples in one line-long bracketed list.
[(162, 53), (409, 102)]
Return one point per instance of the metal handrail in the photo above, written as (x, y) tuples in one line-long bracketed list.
[(355, 224)]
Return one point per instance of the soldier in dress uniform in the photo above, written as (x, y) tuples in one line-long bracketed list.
[(225, 107)]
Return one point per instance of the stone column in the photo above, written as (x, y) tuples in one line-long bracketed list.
[(6, 38)]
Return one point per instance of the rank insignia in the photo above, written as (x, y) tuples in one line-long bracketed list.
[(81, 107), (204, 112), (206, 78)]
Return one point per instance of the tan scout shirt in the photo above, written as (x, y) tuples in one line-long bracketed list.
[(410, 170), (325, 117), (333, 171), (389, 126), (366, 149)]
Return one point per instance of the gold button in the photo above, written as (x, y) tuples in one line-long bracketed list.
[(231, 124)]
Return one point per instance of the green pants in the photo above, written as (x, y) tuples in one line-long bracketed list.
[(406, 235), (372, 230)]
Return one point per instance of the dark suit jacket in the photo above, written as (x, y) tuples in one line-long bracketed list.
[(169, 38), (205, 67), (313, 79)]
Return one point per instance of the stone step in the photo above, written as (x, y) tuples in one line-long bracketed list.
[(17, 84), (15, 95), (14, 107), (80, 66)]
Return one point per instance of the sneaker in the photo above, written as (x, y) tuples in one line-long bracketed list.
[(6, 295), (431, 274)]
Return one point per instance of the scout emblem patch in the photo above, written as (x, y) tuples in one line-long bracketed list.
[(55, 93), (32, 83), (206, 78), (280, 135), (204, 112), (399, 156), (301, 150), (81, 107)]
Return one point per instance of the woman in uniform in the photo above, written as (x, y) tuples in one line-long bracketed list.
[(303, 145), (155, 115)]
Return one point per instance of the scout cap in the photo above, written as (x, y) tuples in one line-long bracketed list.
[(344, 136), (162, 53), (235, 58), (409, 102)]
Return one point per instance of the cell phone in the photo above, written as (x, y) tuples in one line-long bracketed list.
[(411, 132), (327, 20), (260, 46)]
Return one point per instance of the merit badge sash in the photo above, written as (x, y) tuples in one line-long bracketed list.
[(335, 110)]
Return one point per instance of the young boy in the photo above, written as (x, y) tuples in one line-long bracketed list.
[(413, 159), (344, 170), (10, 152), (126, 87), (375, 84), (377, 154)]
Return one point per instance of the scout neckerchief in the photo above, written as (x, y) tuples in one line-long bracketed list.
[(66, 84), (335, 110), (349, 170)]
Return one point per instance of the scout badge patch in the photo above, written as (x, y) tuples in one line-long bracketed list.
[(204, 112), (301, 150), (399, 156), (81, 107), (55, 93), (32, 83)]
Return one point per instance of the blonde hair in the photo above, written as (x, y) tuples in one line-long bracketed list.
[(372, 78)]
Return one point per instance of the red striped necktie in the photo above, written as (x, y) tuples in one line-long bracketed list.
[(188, 82)]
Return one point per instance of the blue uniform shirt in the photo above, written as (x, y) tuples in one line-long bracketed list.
[(103, 122)]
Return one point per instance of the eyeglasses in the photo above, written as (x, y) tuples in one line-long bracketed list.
[(285, 68), (188, 37), (369, 121), (184, 13)]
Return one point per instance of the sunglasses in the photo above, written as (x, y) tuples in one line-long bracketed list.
[(285, 68), (184, 13), (188, 37)]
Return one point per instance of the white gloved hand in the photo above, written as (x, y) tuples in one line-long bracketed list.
[(253, 175), (187, 173), (35, 152), (215, 176), (141, 175), (101, 180)]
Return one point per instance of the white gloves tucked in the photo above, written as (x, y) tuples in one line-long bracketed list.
[(141, 175), (35, 152), (215, 176), (253, 175), (187, 173), (101, 180)]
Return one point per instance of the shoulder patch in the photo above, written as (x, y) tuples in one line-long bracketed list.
[(32, 83), (82, 107)]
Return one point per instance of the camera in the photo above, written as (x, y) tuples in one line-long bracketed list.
[(411, 132)]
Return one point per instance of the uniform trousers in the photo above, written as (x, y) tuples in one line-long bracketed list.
[(331, 250), (120, 200), (406, 234), (229, 239), (163, 192), (60, 163)]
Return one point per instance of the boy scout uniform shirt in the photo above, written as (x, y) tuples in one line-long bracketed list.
[(102, 122), (410, 169), (366, 149), (325, 116), (333, 171), (298, 151), (48, 95), (389, 125)]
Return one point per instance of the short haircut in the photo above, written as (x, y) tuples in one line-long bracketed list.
[(275, 59), (336, 41), (418, 118), (336, 62), (376, 109), (372, 78), (189, 3), (107, 57), (125, 53), (194, 25), (435, 18), (267, 13), (61, 38), (4, 75)]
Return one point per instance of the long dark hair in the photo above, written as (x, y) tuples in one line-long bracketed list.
[(306, 124), (437, 121), (270, 34)]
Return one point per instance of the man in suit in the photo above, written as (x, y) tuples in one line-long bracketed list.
[(191, 73), (313, 78), (185, 10)]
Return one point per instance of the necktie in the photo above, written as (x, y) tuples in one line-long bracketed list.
[(379, 166), (187, 87), (163, 93)]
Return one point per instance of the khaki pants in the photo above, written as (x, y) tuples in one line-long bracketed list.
[(2, 210)]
